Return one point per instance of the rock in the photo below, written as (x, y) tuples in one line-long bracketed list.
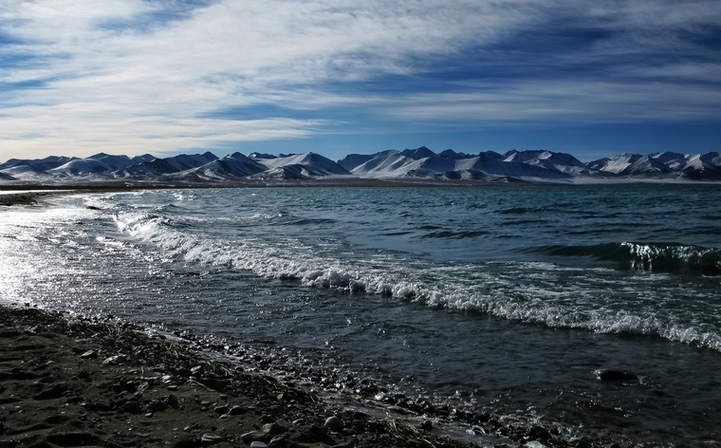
[(114, 360), (614, 375), (250, 437), (208, 439), (237, 410), (274, 428), (221, 409), (334, 423), (258, 444), (538, 433), (89, 354), (534, 444), (172, 401), (279, 441), (130, 406)]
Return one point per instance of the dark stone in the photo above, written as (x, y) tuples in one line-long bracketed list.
[(334, 423), (211, 439), (172, 401), (614, 375), (237, 410), (250, 437), (274, 428), (426, 425), (131, 406), (538, 433)]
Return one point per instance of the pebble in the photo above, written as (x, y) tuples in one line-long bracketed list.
[(130, 406), (114, 360), (252, 436), (172, 401), (334, 423), (274, 428), (237, 410), (211, 439), (89, 354)]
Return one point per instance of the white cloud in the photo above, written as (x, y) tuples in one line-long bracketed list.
[(557, 102), (138, 76)]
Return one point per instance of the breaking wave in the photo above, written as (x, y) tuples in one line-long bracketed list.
[(653, 257), (537, 293)]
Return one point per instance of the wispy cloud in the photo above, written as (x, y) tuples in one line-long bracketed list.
[(80, 76)]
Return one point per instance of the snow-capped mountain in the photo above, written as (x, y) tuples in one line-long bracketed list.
[(631, 164), (424, 163), (663, 165), (232, 166), (32, 169), (412, 164), (161, 167), (297, 166)]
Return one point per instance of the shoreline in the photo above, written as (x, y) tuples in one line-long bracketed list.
[(72, 381), (401, 422)]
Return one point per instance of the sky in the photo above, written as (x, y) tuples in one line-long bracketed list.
[(334, 77)]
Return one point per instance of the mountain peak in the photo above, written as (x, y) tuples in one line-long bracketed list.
[(418, 153), (419, 163)]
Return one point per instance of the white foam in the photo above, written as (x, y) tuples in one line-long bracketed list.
[(539, 293)]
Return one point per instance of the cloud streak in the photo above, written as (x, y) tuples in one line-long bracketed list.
[(78, 77)]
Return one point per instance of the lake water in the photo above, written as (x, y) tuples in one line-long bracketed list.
[(499, 300)]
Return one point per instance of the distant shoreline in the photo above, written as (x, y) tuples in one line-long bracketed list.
[(29, 194)]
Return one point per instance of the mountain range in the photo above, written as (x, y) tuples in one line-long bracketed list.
[(410, 164)]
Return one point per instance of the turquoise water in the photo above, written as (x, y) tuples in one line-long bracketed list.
[(499, 299)]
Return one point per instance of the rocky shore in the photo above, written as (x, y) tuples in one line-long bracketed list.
[(73, 382)]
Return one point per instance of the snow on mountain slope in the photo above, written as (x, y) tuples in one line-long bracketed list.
[(25, 173), (386, 164), (418, 153), (120, 162), (80, 168), (351, 161), (37, 165), (159, 167), (554, 161), (706, 166), (235, 165), (672, 160), (423, 162), (308, 165), (419, 163), (712, 158), (630, 164)]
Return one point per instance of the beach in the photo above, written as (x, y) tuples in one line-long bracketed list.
[(199, 317), (75, 382)]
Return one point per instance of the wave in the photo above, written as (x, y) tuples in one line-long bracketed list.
[(455, 235), (282, 258), (652, 257), (537, 293)]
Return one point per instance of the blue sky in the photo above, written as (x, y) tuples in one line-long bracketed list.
[(165, 77)]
